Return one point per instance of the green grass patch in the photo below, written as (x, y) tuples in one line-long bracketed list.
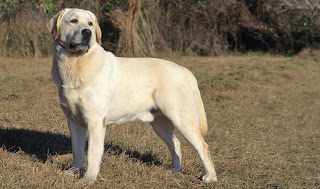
[(289, 66), (8, 78), (204, 77)]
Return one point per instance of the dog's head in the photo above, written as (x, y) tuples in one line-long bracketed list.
[(76, 30)]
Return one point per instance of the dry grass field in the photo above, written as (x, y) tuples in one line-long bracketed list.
[(264, 128)]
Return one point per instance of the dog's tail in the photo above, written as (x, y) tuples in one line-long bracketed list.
[(200, 107), (201, 113)]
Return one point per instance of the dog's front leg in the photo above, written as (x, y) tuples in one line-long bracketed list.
[(78, 139), (96, 134)]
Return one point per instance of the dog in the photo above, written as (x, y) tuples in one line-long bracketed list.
[(97, 89)]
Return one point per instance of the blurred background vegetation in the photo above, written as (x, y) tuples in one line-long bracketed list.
[(183, 27)]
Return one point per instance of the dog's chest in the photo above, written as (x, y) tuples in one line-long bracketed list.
[(71, 73), (73, 105)]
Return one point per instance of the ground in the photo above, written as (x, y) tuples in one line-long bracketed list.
[(263, 115)]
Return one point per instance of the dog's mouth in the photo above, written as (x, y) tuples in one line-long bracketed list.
[(80, 48)]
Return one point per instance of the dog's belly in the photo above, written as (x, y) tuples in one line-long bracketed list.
[(144, 116), (137, 109), (133, 100)]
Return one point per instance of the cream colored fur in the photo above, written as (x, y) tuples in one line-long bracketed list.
[(98, 89)]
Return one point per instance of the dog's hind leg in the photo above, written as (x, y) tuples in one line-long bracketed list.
[(165, 130), (180, 107), (190, 130), (196, 140)]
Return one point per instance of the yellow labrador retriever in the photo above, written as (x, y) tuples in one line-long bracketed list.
[(97, 89)]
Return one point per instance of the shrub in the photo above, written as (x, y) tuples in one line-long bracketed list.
[(23, 34), (202, 27)]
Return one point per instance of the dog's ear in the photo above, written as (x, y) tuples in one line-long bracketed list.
[(54, 24), (98, 31)]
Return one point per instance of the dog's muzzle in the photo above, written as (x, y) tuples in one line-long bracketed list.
[(84, 45)]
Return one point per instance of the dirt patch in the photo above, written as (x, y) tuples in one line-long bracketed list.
[(263, 114)]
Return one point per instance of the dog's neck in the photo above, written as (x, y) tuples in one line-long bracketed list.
[(74, 70)]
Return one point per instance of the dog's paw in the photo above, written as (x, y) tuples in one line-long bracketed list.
[(209, 178), (73, 171), (175, 169), (86, 181)]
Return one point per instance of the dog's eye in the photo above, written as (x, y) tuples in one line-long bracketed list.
[(74, 21), (90, 23)]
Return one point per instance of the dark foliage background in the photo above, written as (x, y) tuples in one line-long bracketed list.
[(203, 27)]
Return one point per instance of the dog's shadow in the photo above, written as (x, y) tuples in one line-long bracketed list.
[(45, 144)]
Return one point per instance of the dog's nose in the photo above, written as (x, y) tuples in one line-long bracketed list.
[(86, 33)]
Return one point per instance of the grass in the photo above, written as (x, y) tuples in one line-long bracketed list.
[(263, 129)]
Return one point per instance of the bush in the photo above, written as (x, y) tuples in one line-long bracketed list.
[(23, 35), (217, 27), (202, 27)]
